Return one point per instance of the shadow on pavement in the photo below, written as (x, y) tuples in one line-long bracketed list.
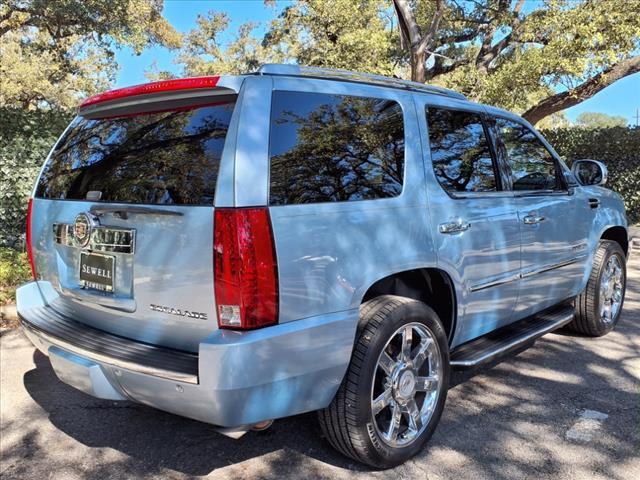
[(516, 402)]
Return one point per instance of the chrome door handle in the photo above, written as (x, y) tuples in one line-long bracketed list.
[(456, 226), (532, 219)]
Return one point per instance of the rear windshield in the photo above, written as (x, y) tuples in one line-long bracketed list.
[(158, 158)]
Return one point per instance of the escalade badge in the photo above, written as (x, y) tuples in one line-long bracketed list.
[(82, 228), (178, 312)]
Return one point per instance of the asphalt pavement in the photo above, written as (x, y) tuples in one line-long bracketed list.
[(566, 408)]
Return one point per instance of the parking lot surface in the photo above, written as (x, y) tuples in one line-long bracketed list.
[(566, 408)]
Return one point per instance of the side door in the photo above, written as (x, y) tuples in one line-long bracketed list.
[(554, 219), (474, 217)]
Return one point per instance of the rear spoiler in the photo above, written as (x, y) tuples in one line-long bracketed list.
[(161, 96)]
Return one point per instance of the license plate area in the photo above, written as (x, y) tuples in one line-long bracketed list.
[(97, 271)]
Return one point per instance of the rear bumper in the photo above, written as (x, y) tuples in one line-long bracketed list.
[(235, 379)]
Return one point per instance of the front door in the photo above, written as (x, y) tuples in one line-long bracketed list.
[(474, 218), (554, 219)]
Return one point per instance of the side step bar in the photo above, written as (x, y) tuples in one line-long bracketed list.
[(496, 344)]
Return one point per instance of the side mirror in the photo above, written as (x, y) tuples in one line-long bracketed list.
[(590, 172)]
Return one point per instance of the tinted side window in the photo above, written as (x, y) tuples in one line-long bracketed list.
[(532, 166), (156, 158), (460, 151), (334, 148)]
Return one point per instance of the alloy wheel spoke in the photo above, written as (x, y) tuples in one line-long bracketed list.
[(617, 294), (422, 353), (381, 401), (426, 384), (386, 363), (415, 422), (617, 275), (394, 425), (407, 337)]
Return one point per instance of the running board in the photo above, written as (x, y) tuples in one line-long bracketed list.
[(496, 344)]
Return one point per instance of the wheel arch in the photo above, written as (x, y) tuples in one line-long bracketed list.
[(430, 285), (617, 234)]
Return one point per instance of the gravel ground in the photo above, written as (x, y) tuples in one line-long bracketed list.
[(566, 408)]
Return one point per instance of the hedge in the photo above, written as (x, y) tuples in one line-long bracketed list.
[(25, 140), (27, 137), (617, 147)]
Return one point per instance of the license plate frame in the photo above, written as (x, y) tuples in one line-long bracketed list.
[(97, 271)]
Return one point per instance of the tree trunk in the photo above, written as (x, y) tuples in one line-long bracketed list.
[(418, 69)]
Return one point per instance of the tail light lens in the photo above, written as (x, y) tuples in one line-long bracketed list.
[(29, 238), (245, 268)]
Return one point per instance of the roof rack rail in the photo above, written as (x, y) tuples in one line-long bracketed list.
[(346, 75)]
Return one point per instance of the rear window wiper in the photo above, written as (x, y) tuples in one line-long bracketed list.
[(124, 211)]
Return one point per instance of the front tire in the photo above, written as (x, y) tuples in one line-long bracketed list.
[(394, 391), (599, 306)]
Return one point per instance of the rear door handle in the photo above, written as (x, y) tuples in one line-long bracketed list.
[(533, 218), (455, 226)]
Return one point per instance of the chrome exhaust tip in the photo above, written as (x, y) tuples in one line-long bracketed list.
[(260, 426)]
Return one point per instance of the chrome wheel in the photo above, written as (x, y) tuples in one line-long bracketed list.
[(406, 385), (611, 290)]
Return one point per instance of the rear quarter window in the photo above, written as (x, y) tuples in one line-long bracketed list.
[(159, 158), (334, 148), (460, 153)]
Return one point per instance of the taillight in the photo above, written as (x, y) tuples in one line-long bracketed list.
[(245, 269), (29, 239)]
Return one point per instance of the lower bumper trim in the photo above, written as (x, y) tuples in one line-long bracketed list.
[(103, 347)]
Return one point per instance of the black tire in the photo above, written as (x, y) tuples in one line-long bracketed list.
[(588, 320), (348, 421)]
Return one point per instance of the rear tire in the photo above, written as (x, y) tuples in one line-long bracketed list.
[(394, 391), (599, 306)]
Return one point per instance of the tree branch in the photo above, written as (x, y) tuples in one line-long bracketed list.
[(425, 43), (484, 56), (409, 30), (572, 97), (439, 68)]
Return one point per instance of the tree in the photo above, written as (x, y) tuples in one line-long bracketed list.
[(202, 54), (349, 34), (537, 58), (56, 51), (539, 61), (600, 120)]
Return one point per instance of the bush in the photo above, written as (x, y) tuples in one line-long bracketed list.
[(25, 141), (617, 147), (14, 270)]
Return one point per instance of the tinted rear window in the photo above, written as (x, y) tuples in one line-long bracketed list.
[(160, 158), (460, 151), (334, 148)]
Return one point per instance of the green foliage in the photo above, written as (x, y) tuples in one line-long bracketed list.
[(56, 51), (202, 54), (536, 60), (617, 147), (14, 270), (25, 140), (600, 120), (348, 34)]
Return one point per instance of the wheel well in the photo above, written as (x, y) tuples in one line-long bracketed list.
[(429, 285), (617, 234)]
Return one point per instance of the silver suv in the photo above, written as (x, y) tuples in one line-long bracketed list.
[(238, 249)]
